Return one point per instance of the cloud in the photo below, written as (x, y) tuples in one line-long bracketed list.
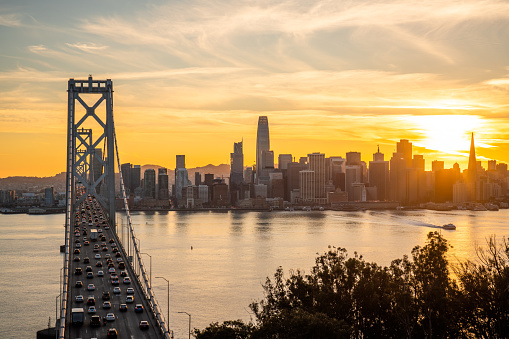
[(10, 20), (89, 47)]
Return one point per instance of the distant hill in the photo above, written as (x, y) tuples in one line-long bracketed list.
[(38, 184)]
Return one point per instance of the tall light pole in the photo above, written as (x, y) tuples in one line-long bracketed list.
[(150, 268), (56, 306), (189, 323), (167, 319)]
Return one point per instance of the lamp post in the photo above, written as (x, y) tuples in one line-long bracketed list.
[(189, 323), (56, 306), (150, 268), (167, 319)]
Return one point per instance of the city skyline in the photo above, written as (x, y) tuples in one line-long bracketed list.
[(191, 78)]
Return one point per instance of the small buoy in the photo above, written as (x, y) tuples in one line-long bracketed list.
[(191, 247)]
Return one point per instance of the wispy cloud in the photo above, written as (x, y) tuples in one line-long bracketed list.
[(89, 47), (10, 20)]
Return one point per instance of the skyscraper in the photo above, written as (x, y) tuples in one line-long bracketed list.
[(472, 171), (135, 177), (97, 167), (181, 179), (126, 177), (262, 144), (181, 161), (472, 163), (316, 163), (162, 182), (379, 175), (149, 183), (237, 164), (404, 147)]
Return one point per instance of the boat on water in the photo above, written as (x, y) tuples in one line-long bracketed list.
[(449, 227)]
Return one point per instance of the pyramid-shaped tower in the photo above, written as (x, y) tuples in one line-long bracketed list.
[(472, 163)]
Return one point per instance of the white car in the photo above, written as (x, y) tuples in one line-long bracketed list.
[(110, 317), (130, 290), (117, 290), (79, 298), (98, 256), (100, 273), (91, 287)]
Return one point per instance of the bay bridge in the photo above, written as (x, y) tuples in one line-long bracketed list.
[(106, 292)]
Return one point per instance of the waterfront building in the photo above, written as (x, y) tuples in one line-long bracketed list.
[(335, 171), (262, 144), (260, 190), (276, 185), (126, 177), (237, 164), (203, 193), (135, 178), (293, 178), (181, 179), (353, 174), (149, 182), (398, 178), (379, 176), (316, 163), (49, 196), (307, 186), (162, 182)]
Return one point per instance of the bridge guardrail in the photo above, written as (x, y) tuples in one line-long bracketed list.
[(147, 290)]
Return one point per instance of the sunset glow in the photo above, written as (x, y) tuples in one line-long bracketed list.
[(192, 78)]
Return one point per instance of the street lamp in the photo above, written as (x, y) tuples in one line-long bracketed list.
[(189, 323), (150, 268), (168, 319), (56, 306)]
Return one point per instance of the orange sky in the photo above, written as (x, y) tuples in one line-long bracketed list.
[(193, 77)]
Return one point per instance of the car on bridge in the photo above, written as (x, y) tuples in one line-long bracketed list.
[(110, 317), (95, 320), (138, 308), (144, 325), (112, 333)]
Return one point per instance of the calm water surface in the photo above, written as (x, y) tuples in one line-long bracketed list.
[(233, 253)]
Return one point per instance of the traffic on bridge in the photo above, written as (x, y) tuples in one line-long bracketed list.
[(104, 300)]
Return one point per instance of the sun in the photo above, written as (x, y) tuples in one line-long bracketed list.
[(448, 134)]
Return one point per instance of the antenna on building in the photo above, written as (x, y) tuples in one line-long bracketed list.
[(378, 148)]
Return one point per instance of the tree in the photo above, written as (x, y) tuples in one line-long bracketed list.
[(485, 296), (232, 329)]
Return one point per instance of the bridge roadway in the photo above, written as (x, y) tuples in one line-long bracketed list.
[(90, 216)]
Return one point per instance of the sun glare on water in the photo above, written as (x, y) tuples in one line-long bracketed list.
[(446, 133)]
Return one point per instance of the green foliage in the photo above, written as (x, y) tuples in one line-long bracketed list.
[(347, 297), (232, 329)]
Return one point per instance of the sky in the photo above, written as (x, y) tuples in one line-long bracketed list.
[(191, 77)]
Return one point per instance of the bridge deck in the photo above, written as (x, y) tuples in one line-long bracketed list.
[(91, 217)]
